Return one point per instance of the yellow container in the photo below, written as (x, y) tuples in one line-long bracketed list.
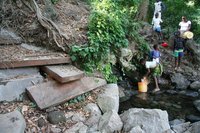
[(142, 86)]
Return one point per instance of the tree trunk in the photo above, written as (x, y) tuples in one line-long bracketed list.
[(142, 12)]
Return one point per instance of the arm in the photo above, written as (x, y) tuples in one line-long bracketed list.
[(189, 25), (174, 45), (148, 72)]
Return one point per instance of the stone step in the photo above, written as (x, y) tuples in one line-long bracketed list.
[(13, 122), (63, 73), (13, 56), (12, 89), (52, 93)]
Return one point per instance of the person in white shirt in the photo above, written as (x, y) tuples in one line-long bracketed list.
[(156, 24), (184, 25), (158, 8)]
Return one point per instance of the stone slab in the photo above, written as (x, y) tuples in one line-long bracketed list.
[(34, 62), (52, 93), (12, 122), (63, 73), (13, 73), (12, 89), (17, 56)]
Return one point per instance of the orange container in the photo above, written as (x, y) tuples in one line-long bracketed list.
[(142, 86)]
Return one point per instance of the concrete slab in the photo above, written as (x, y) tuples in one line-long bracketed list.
[(63, 73), (13, 73), (10, 90), (35, 62), (52, 93), (13, 56), (12, 122)]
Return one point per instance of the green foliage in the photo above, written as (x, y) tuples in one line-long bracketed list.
[(54, 1), (175, 10), (111, 24)]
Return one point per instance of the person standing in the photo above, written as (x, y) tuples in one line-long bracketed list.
[(156, 22), (158, 7), (154, 68), (184, 25), (178, 49)]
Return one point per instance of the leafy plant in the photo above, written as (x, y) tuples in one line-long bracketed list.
[(111, 24), (54, 1)]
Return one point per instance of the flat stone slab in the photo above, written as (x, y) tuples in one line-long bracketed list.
[(63, 73), (17, 72), (12, 122), (11, 90), (17, 56), (52, 93)]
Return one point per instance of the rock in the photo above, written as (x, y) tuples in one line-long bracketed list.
[(12, 89), (195, 85), (78, 117), (192, 118), (9, 37), (197, 104), (109, 99), (176, 122), (12, 122), (77, 128), (181, 128), (41, 122), (157, 118), (136, 129), (55, 130), (180, 81), (110, 122), (95, 114), (194, 128), (56, 117)]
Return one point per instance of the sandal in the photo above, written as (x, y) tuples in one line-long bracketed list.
[(156, 89)]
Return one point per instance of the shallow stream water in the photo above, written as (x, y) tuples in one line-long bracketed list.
[(177, 105)]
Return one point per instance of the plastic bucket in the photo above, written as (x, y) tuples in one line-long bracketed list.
[(142, 86)]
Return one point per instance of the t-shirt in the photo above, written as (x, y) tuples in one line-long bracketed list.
[(156, 22), (184, 25), (157, 6)]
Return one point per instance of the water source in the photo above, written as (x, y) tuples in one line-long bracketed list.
[(177, 105)]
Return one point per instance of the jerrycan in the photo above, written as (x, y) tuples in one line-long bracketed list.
[(142, 86)]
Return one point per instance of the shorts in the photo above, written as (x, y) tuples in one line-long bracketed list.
[(157, 29), (178, 53), (157, 71)]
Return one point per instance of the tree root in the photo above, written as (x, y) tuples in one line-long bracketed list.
[(51, 27)]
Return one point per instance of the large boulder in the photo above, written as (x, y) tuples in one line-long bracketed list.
[(150, 120), (109, 99), (180, 81), (110, 122), (13, 122)]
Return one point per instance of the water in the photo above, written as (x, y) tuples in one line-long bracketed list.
[(177, 105)]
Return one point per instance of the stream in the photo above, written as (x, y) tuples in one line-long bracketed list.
[(178, 104)]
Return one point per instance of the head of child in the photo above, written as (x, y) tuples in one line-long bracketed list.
[(155, 47), (156, 15)]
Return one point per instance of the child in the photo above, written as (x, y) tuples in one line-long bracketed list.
[(154, 67), (156, 24), (155, 54), (178, 49)]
